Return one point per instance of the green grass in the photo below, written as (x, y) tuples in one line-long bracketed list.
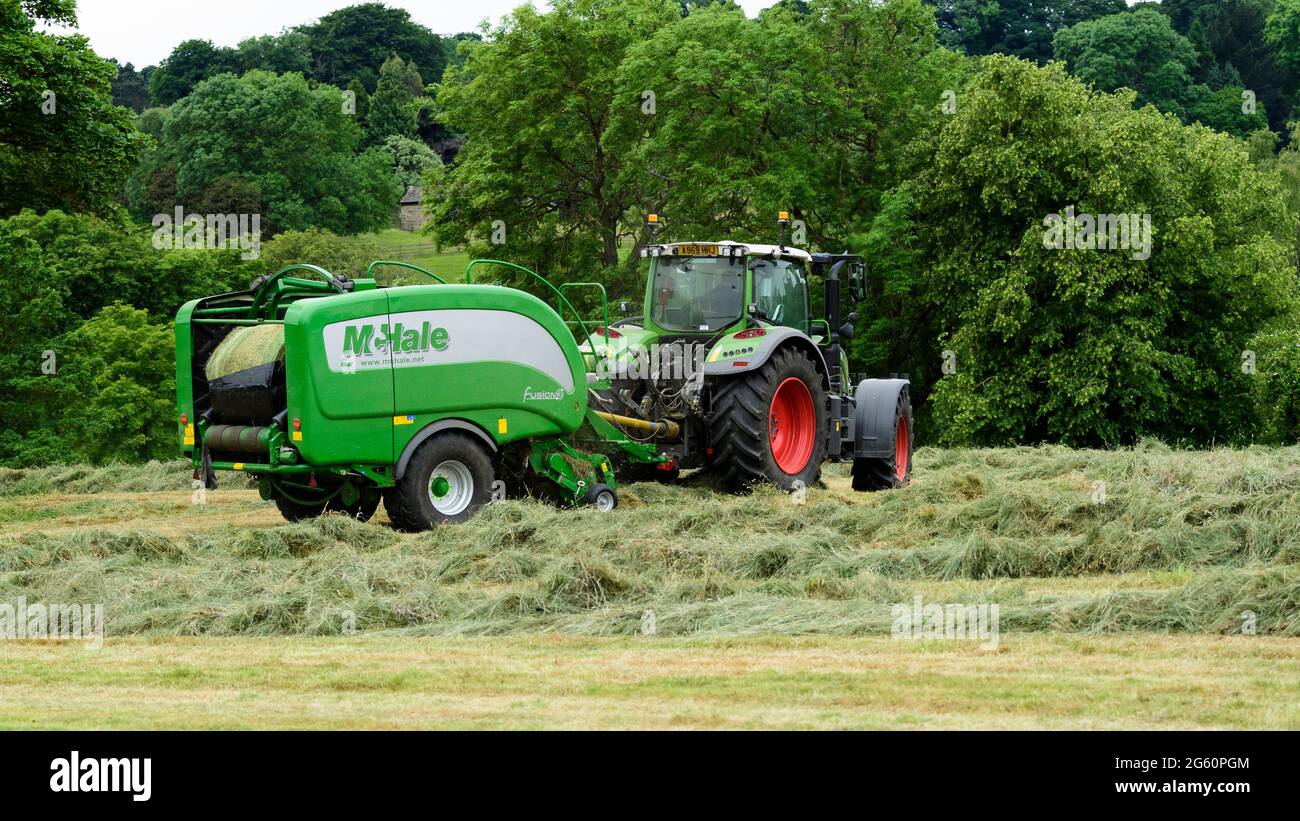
[(1042, 681), (417, 249), (1182, 542)]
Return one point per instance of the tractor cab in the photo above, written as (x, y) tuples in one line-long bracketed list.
[(710, 288)]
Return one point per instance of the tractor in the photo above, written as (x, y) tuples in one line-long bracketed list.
[(726, 369)]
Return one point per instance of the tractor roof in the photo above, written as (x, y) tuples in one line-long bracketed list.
[(751, 248)]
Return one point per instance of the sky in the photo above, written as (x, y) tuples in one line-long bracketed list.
[(143, 32)]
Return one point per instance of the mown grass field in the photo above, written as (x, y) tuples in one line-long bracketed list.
[(1121, 605)]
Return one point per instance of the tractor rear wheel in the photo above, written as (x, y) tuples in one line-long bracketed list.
[(448, 479), (894, 471), (770, 424)]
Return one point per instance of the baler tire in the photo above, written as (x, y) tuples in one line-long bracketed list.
[(363, 510), (294, 512), (410, 503), (741, 420), (871, 474), (602, 497)]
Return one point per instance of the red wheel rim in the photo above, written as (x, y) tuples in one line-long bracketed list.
[(901, 449), (792, 426)]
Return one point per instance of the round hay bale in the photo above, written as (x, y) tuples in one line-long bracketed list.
[(246, 347)]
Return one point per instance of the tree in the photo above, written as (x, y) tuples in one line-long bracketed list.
[(1138, 50), (118, 384), (63, 144), (1235, 32), (391, 110), (76, 392), (412, 160), (129, 89), (294, 145), (350, 43), (287, 52), (1021, 28), (856, 80), (1088, 347), (190, 63), (534, 103)]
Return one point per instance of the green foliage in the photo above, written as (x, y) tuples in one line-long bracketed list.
[(189, 64), (1020, 28), (1090, 347), (60, 272), (351, 44), (282, 54), (129, 89), (1140, 50), (68, 150), (391, 111), (117, 385), (412, 159), (340, 255), (273, 138), (536, 102)]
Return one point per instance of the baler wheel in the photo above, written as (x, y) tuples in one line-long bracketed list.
[(294, 512), (602, 497), (448, 479)]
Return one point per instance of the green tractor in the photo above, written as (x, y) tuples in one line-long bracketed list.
[(726, 369)]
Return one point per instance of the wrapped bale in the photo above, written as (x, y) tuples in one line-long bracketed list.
[(246, 375)]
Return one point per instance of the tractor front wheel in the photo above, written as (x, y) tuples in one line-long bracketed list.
[(448, 479), (770, 424)]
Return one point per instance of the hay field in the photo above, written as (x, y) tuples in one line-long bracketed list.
[(1099, 562)]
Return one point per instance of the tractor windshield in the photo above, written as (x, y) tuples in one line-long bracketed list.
[(697, 293)]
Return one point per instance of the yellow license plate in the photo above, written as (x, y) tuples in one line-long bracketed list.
[(697, 250)]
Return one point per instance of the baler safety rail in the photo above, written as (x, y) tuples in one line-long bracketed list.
[(469, 279), (604, 305), (371, 267)]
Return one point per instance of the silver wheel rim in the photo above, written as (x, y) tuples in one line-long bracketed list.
[(459, 487), (605, 501)]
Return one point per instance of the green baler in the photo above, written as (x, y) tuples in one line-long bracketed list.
[(335, 392)]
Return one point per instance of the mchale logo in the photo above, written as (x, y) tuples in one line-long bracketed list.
[(75, 774), (359, 339)]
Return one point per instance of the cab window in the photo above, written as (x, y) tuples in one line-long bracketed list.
[(781, 292)]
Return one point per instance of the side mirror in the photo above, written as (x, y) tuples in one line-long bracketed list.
[(753, 310), (858, 282), (625, 307)]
